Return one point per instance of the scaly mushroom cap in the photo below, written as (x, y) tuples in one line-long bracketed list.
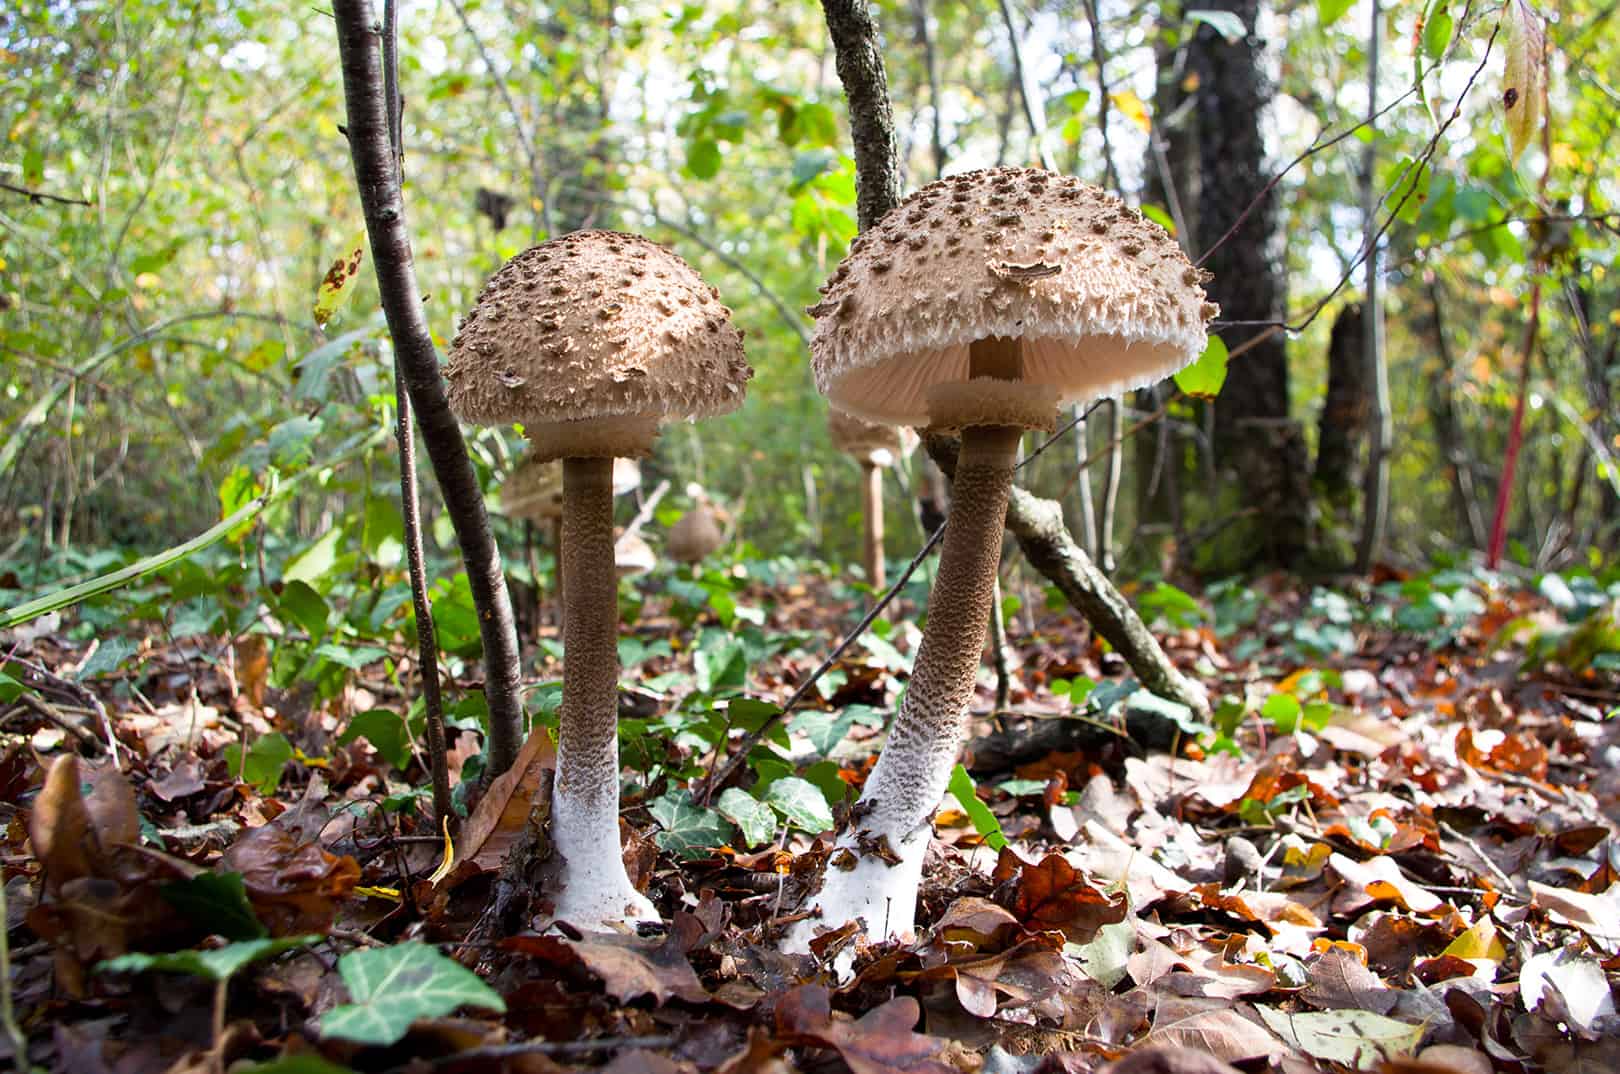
[(880, 444), (534, 489), (1103, 299), (591, 340), (695, 534)]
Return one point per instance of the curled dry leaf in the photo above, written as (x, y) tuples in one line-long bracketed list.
[(293, 882), (880, 1042), (1380, 879), (1052, 894)]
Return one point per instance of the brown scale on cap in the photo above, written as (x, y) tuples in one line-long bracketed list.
[(1121, 308), (595, 324)]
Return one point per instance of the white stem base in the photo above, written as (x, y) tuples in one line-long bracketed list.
[(881, 895), (594, 893)]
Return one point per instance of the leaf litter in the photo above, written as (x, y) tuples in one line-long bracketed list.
[(1409, 865)]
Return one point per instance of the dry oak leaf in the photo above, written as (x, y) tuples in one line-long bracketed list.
[(880, 1042), (1381, 879), (627, 966), (1216, 1026), (1169, 1060), (1052, 894), (1338, 980)]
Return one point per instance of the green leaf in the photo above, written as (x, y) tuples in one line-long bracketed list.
[(753, 817), (385, 730), (294, 1064), (1104, 958), (1359, 1039), (216, 965), (703, 158), (810, 164), (984, 821), (216, 902), (108, 657), (1225, 23), (690, 831), (316, 561), (1203, 379), (801, 803), (300, 605), (825, 730), (1160, 217), (394, 986), (265, 760), (1331, 11), (1284, 712), (1437, 31), (338, 283)]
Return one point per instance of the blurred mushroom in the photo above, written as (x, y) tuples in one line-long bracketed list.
[(981, 303), (696, 534), (533, 492), (591, 341), (875, 448), (633, 556)]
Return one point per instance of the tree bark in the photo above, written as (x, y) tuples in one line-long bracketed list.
[(1252, 409), (871, 116), (378, 180)]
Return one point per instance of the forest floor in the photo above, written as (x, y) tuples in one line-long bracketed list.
[(1397, 842)]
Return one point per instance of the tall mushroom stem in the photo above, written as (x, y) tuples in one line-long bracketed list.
[(557, 559), (876, 870), (872, 507), (594, 888)]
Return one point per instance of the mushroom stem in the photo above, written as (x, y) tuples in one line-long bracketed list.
[(898, 803), (872, 508), (594, 889), (557, 564)]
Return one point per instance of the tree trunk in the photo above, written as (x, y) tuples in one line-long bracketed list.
[(1253, 432), (1342, 433)]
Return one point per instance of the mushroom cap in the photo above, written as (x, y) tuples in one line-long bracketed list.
[(633, 556), (590, 326), (883, 445), (695, 534), (1103, 299), (534, 488)]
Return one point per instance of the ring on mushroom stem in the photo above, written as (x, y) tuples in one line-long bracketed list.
[(980, 304), (591, 341)]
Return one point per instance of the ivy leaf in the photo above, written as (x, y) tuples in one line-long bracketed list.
[(338, 283), (801, 803), (984, 821), (690, 831), (752, 816), (394, 986), (219, 964), (1203, 379)]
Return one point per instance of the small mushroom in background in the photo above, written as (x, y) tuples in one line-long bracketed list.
[(533, 492), (633, 556), (876, 448), (696, 535), (981, 304), (592, 341)]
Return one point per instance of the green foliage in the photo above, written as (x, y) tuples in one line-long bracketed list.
[(984, 822), (387, 733), (263, 765), (689, 830), (217, 964), (391, 987), (216, 903)]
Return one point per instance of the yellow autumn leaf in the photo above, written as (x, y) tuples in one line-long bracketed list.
[(1133, 108), (1524, 80), (338, 283), (367, 891), (1479, 942), (449, 857)]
